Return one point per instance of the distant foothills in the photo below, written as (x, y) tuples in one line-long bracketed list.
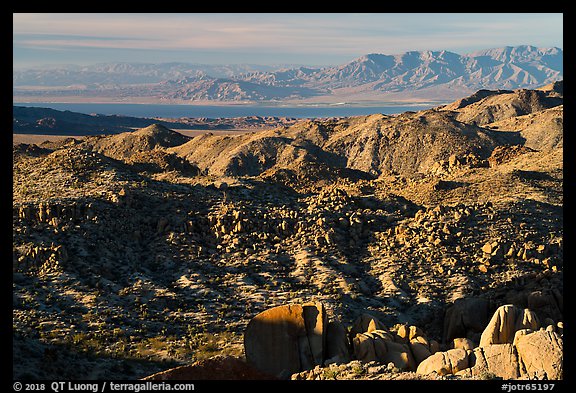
[(412, 76)]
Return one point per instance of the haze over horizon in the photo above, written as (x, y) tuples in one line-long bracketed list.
[(266, 39)]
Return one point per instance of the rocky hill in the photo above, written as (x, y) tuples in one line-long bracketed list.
[(483, 107), (51, 121), (126, 144), (223, 89), (377, 144), (541, 130), (402, 240), (428, 75), (37, 120)]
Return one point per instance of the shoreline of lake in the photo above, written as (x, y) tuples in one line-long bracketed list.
[(229, 111)]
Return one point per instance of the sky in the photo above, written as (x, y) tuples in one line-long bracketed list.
[(315, 39)]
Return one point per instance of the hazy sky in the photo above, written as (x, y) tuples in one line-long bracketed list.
[(312, 39)]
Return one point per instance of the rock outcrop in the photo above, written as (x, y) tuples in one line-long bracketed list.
[(541, 351), (449, 362), (297, 341), (467, 317), (337, 343), (504, 105), (379, 345), (497, 360), (505, 153), (365, 323), (287, 339), (505, 322), (510, 348)]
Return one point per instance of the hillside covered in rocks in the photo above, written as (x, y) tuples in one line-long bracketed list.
[(139, 252)]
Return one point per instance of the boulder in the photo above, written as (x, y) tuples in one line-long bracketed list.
[(286, 339), (560, 328), (442, 363), (434, 346), (305, 353), (379, 345), (415, 332), (463, 343), (465, 318), (383, 334), (528, 320), (505, 322), (498, 359), (547, 303), (520, 333), (400, 355), (364, 348), (379, 339), (541, 351), (316, 322), (487, 248), (403, 333), (366, 323), (544, 304), (420, 348), (534, 354), (416, 340), (337, 343)]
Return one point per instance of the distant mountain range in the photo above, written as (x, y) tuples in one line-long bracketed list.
[(128, 73), (424, 75)]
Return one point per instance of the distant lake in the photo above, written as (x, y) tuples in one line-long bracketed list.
[(217, 111)]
